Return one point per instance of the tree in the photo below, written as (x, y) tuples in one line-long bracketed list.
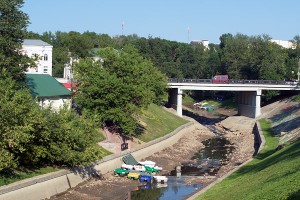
[(117, 89), (30, 135), (236, 55), (18, 121), (60, 59), (13, 23)]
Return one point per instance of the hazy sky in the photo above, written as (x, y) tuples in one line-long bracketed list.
[(179, 20)]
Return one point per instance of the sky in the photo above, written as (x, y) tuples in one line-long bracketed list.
[(175, 20)]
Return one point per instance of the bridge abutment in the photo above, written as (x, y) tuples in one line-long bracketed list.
[(249, 103)]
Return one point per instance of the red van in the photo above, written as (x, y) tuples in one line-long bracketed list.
[(220, 79)]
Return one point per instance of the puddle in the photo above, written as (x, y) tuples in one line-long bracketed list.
[(175, 188), (217, 148)]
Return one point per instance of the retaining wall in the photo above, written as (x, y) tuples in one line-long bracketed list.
[(48, 185)]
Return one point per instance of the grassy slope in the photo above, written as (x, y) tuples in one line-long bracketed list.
[(158, 122), (7, 178), (271, 175)]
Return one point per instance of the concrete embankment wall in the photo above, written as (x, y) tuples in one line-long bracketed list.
[(48, 185)]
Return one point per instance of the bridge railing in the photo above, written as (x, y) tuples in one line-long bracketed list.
[(232, 81), (183, 80)]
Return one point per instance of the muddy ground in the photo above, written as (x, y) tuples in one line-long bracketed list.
[(237, 129)]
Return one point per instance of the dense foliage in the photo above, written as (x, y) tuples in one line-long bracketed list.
[(240, 56), (116, 88), (30, 135), (13, 23)]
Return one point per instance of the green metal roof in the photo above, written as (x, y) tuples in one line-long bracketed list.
[(44, 85)]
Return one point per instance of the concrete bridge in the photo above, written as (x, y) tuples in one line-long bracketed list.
[(249, 97)]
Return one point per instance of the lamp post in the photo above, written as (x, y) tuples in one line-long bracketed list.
[(298, 71)]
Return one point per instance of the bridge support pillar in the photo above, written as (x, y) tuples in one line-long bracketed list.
[(249, 103), (175, 100), (179, 103)]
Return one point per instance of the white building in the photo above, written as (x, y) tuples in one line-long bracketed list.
[(284, 43), (205, 43), (43, 52)]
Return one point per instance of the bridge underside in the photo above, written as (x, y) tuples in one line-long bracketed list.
[(248, 102)]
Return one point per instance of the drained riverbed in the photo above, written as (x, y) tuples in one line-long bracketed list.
[(194, 152)]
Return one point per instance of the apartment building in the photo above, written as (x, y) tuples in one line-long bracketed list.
[(42, 51)]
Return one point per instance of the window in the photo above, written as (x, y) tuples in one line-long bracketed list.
[(45, 69), (45, 56)]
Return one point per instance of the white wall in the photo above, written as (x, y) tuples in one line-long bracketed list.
[(42, 63), (55, 102)]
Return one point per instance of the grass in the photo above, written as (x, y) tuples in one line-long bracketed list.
[(296, 98), (156, 122), (104, 151), (272, 174), (17, 175), (187, 98)]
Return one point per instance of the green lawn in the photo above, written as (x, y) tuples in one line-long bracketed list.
[(17, 175), (157, 122), (273, 174)]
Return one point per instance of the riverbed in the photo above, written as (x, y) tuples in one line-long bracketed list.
[(237, 130)]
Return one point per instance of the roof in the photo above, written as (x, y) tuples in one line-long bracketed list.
[(68, 85), (44, 85), (33, 42)]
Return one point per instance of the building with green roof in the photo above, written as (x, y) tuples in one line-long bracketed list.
[(48, 90)]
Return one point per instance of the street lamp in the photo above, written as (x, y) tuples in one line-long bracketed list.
[(298, 71)]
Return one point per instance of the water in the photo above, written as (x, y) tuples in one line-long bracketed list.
[(175, 188)]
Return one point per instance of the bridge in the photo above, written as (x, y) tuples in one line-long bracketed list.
[(249, 97)]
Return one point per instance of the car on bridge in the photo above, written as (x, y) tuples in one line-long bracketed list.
[(220, 79)]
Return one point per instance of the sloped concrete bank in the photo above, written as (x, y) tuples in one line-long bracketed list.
[(261, 141), (47, 185)]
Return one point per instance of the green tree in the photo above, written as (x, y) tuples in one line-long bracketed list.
[(273, 63), (13, 23), (60, 59), (236, 55), (30, 135), (118, 88), (18, 120), (67, 139)]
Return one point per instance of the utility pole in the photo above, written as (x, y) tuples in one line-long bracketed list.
[(188, 35), (122, 27)]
